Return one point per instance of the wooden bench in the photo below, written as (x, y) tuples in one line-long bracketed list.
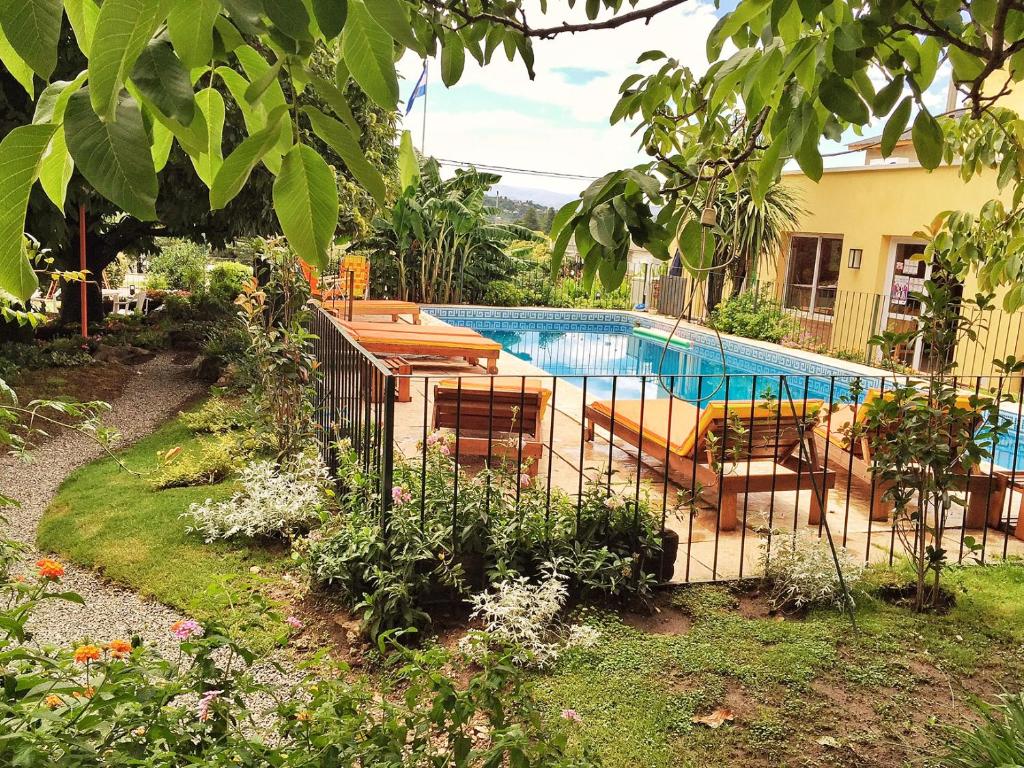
[(401, 369)]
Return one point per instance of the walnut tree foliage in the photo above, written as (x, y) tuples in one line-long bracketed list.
[(783, 74)]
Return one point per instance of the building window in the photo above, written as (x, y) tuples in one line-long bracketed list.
[(813, 273)]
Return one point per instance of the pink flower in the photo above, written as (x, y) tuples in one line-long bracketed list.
[(183, 629), (571, 714), (204, 704), (400, 495), (524, 480), (434, 437), (445, 450), (293, 622)]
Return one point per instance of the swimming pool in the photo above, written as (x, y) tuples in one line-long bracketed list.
[(603, 347)]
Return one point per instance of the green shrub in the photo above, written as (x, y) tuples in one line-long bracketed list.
[(425, 551), (58, 353), (752, 316), (999, 741), (209, 465), (217, 415), (227, 279), (182, 264), (505, 293)]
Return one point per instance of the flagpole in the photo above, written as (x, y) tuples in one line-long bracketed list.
[(426, 91)]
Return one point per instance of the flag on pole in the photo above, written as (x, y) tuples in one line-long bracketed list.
[(419, 90)]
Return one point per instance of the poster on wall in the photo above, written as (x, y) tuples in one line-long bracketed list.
[(900, 292)]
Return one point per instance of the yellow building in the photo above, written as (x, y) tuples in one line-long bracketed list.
[(849, 268)]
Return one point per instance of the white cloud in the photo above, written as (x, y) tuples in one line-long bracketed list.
[(552, 123)]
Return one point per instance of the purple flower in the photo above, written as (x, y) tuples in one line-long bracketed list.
[(293, 622), (524, 480), (400, 495), (183, 629), (571, 714), (204, 704)]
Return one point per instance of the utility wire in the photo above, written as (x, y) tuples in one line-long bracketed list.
[(511, 169)]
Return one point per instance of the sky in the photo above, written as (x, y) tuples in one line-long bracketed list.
[(559, 121)]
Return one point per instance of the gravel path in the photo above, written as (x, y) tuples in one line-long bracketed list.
[(156, 392)]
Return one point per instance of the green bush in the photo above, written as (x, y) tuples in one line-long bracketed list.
[(58, 353), (207, 466), (181, 263), (753, 316), (227, 279), (427, 552)]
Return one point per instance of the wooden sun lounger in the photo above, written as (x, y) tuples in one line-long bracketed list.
[(374, 307), (501, 417), (763, 457), (849, 450), (393, 340)]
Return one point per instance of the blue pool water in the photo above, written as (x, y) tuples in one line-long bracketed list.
[(601, 352), (611, 357)]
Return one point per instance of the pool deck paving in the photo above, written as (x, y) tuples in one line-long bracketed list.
[(705, 552)]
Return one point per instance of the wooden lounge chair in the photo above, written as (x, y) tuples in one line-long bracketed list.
[(373, 307), (397, 339), (849, 449), (754, 448), (501, 417)]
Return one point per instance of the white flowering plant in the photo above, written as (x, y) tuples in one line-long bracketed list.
[(800, 571), (523, 620), (274, 500)]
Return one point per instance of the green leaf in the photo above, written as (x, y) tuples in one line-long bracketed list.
[(21, 153), (83, 15), (453, 59), (347, 146), (837, 95), (290, 17), (369, 55), (603, 225), (190, 26), (392, 16), (123, 29), (211, 104), (895, 126), (54, 100), (32, 28), (337, 102), (164, 81), (56, 169), (306, 203), (234, 173), (330, 16), (928, 140), (260, 85), (16, 65), (768, 169), (965, 66), (808, 156), (162, 141), (408, 165), (611, 271), (564, 215), (886, 98), (113, 156)]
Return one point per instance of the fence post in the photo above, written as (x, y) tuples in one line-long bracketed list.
[(873, 326), (387, 470)]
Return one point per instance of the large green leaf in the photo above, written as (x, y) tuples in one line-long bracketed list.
[(56, 169), (21, 153), (408, 164), (347, 146), (391, 15), (239, 164), (123, 29), (603, 225), (190, 26), (330, 16), (453, 59), (114, 156), (843, 100), (83, 15), (32, 27), (369, 55), (306, 203), (290, 17), (332, 94), (928, 139), (16, 66), (54, 100), (164, 81), (162, 141), (211, 104), (896, 125)]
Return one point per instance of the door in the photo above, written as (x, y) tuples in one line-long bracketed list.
[(907, 275)]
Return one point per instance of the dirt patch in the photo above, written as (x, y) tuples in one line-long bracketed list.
[(661, 620), (903, 595)]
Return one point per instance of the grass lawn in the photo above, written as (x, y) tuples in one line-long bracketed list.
[(804, 691), (118, 523)]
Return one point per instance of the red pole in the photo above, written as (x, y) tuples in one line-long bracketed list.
[(81, 264)]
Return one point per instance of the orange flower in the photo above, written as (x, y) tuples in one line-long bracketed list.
[(86, 653), (87, 693), (49, 569), (53, 701), (119, 648), (303, 716)]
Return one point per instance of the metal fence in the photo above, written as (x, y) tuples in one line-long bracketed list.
[(717, 471)]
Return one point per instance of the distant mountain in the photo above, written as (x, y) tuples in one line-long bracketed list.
[(545, 198)]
